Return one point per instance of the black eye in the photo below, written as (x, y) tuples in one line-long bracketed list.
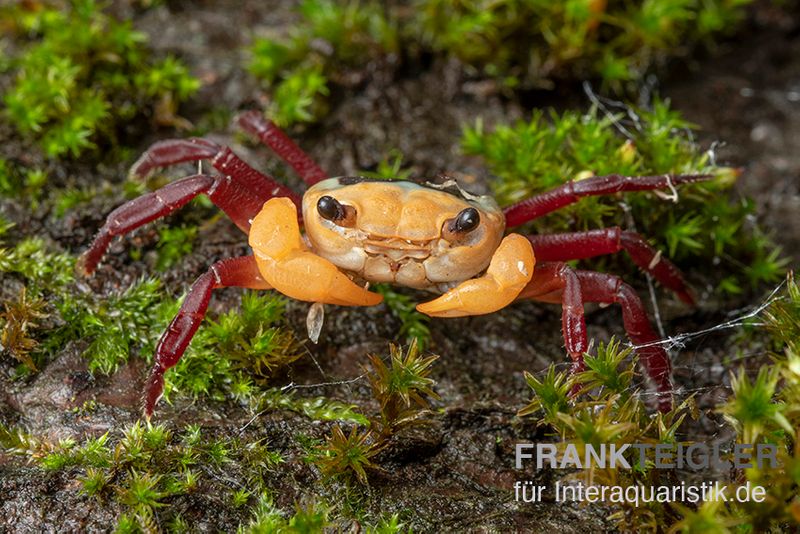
[(330, 208), (336, 212), (467, 220), (457, 228)]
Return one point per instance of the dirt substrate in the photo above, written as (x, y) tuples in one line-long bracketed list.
[(458, 473)]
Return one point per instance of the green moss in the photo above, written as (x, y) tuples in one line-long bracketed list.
[(387, 525), (414, 324), (69, 199), (316, 408), (551, 395), (350, 454), (531, 43), (783, 317), (231, 357), (17, 181), (43, 270), (390, 168), (145, 470), (331, 38), (308, 518), (145, 467), (239, 351), (520, 43), (548, 150), (174, 242), (753, 409), (45, 276), (609, 411), (402, 390), (764, 407), (82, 73), (112, 326)]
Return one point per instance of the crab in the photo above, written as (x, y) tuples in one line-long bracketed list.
[(358, 231)]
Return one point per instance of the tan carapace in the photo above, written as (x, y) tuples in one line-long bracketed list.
[(361, 231)]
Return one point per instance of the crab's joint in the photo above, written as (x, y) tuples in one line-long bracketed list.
[(509, 272)]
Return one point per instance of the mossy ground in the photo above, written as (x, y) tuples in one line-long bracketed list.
[(455, 474)]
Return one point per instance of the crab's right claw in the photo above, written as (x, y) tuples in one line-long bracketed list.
[(288, 266), (509, 272)]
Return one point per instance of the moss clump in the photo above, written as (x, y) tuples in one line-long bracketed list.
[(520, 43), (609, 411), (764, 407), (333, 42), (174, 242), (548, 150), (20, 182), (307, 519), (82, 73), (235, 354), (146, 468), (41, 277), (33, 260), (316, 408), (112, 326), (148, 471), (20, 317), (402, 390), (230, 357), (531, 43)]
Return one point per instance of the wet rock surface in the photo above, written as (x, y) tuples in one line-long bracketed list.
[(456, 474)]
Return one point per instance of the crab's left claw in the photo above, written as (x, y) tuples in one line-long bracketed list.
[(288, 266), (509, 272)]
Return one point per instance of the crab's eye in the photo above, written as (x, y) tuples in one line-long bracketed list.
[(330, 208), (336, 212), (466, 221)]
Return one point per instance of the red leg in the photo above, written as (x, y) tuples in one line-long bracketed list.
[(272, 136), (610, 289), (233, 272), (572, 191), (581, 245), (173, 151), (236, 201), (558, 283)]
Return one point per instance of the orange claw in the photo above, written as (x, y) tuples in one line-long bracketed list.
[(287, 265), (509, 272)]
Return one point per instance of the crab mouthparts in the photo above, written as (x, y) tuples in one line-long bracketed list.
[(396, 249)]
